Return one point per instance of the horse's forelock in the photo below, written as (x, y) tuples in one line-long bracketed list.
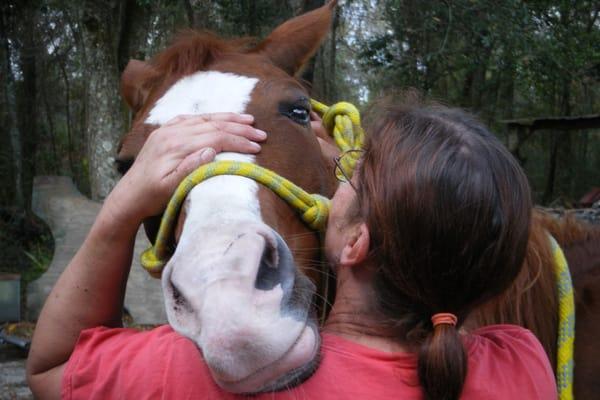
[(192, 51)]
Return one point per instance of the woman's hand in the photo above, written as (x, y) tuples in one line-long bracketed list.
[(172, 152), (329, 149)]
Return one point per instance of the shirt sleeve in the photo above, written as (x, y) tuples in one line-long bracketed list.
[(514, 359), (121, 363)]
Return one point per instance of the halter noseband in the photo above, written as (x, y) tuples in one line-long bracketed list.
[(341, 119)]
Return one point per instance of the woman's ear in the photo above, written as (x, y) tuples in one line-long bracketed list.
[(356, 249)]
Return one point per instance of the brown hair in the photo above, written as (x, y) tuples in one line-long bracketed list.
[(448, 210)]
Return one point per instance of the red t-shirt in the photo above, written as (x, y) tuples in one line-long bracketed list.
[(505, 362)]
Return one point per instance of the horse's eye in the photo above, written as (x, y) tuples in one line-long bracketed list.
[(297, 110), (300, 115)]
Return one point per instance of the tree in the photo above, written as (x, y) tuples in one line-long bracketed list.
[(501, 60), (11, 161)]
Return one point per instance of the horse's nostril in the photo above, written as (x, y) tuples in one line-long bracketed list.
[(179, 301), (268, 273), (276, 267)]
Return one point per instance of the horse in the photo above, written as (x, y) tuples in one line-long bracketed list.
[(245, 268), (532, 300), (241, 281)]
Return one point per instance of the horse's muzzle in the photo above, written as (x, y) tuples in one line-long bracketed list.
[(239, 296)]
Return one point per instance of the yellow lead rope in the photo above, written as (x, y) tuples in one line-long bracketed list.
[(566, 324)]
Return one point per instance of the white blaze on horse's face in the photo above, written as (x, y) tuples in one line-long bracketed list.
[(232, 286)]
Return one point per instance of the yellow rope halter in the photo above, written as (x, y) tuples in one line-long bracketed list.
[(342, 119)]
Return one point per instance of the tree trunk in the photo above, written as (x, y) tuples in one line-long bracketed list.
[(132, 42), (480, 84), (467, 88), (14, 167), (28, 100), (549, 190), (105, 121), (63, 71), (249, 6), (56, 164), (561, 141), (189, 12)]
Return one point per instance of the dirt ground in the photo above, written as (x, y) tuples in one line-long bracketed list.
[(12, 374)]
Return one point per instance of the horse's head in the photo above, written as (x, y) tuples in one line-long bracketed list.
[(237, 282)]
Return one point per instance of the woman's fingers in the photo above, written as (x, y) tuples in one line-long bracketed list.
[(177, 146), (235, 143), (220, 141), (239, 129), (183, 131), (191, 162)]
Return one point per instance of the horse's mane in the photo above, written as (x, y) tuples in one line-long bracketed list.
[(580, 242), (568, 230), (534, 292)]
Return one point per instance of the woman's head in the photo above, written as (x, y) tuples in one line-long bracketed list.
[(447, 209)]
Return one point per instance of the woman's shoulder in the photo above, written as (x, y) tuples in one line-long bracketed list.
[(502, 336), (507, 359), (124, 362)]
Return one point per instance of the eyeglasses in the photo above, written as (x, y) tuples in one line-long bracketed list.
[(344, 165)]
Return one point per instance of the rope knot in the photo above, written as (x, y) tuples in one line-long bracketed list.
[(342, 120), (316, 215)]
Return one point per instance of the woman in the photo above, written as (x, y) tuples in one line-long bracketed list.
[(433, 223)]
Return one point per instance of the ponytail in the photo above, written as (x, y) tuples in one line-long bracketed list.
[(442, 364), (448, 211)]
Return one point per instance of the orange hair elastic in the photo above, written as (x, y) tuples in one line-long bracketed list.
[(443, 319)]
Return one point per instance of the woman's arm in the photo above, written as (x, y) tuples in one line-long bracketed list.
[(91, 290)]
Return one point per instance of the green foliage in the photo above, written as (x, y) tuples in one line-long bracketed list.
[(40, 257), (501, 59), (251, 17), (26, 245)]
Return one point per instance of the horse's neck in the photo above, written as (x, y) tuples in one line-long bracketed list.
[(583, 256), (580, 241)]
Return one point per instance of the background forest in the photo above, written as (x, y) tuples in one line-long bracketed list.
[(60, 65)]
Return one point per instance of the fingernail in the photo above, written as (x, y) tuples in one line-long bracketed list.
[(255, 146), (248, 117), (261, 134), (207, 154)]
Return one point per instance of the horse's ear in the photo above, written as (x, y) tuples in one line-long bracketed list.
[(291, 44), (134, 81)]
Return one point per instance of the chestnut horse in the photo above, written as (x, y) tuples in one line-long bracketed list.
[(241, 281)]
